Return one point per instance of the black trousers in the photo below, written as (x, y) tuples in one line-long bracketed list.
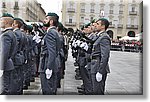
[(49, 86), (98, 88)]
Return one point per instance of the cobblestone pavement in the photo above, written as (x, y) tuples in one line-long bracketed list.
[(125, 77)]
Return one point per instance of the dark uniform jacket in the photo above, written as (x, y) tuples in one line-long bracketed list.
[(19, 57), (8, 48), (100, 54), (50, 46)]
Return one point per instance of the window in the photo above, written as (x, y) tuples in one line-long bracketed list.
[(16, 3), (3, 5), (132, 21), (120, 20), (82, 8), (110, 23), (121, 9), (133, 9), (82, 19), (102, 13), (121, 1), (133, 1), (91, 18), (70, 20), (92, 8), (71, 4), (111, 9)]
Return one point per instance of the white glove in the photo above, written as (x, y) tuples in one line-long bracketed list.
[(73, 43), (78, 42), (37, 38), (1, 73), (98, 77), (82, 45), (48, 73), (86, 47)]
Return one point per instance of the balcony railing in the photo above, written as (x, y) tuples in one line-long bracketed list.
[(120, 12), (120, 25), (3, 5), (82, 10), (16, 7), (132, 26), (71, 10), (133, 12), (112, 26), (111, 12), (70, 24)]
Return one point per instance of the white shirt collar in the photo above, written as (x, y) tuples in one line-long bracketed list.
[(100, 32), (15, 29), (7, 28), (50, 28)]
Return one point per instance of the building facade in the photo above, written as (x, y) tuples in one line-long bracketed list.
[(124, 15), (28, 10)]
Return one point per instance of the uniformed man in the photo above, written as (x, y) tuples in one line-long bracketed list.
[(61, 56), (49, 51), (8, 48), (27, 66), (100, 57), (19, 58)]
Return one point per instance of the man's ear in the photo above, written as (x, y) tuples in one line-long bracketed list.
[(103, 26), (51, 22)]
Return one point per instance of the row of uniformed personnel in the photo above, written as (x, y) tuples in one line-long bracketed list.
[(19, 53), (91, 48)]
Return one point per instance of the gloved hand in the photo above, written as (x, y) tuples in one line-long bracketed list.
[(1, 73), (84, 45), (78, 42), (37, 38), (98, 77), (48, 73), (73, 43)]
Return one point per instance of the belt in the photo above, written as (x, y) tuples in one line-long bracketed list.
[(94, 57)]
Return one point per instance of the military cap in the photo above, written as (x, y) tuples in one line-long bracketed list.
[(29, 27), (53, 14), (93, 20), (65, 30), (60, 25), (82, 27), (102, 19), (86, 26), (19, 19), (7, 15)]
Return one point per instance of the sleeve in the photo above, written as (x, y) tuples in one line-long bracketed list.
[(6, 44), (51, 47), (105, 50)]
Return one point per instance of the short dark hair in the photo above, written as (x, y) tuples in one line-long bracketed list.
[(20, 24), (104, 22), (55, 20)]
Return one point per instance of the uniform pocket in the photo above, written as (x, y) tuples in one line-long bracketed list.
[(94, 65)]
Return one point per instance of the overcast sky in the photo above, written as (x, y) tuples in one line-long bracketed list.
[(52, 6)]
